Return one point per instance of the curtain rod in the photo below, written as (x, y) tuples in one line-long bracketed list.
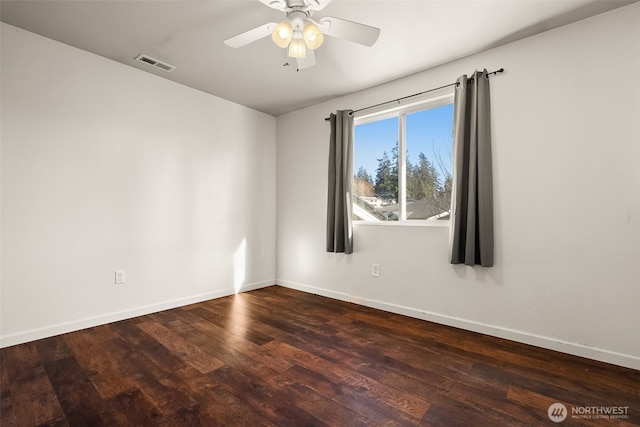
[(415, 94)]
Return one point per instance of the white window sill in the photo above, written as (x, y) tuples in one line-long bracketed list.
[(408, 223)]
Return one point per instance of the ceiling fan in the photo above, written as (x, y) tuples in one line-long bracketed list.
[(300, 34)]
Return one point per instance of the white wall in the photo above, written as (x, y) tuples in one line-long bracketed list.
[(107, 167), (566, 116)]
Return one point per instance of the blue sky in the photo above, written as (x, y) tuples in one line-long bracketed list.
[(428, 131)]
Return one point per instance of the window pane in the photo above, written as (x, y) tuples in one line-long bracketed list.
[(375, 185), (429, 162)]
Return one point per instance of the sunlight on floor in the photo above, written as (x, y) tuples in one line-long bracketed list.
[(239, 318)]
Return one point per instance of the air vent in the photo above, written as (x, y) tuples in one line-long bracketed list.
[(155, 63)]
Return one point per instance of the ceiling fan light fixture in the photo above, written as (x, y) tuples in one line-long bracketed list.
[(297, 49), (282, 34), (299, 32), (312, 36)]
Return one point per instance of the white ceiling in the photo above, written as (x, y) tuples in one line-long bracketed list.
[(416, 35)]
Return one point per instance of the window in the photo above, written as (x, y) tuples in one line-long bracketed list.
[(403, 162)]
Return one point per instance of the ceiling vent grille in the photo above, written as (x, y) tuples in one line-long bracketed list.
[(145, 59)]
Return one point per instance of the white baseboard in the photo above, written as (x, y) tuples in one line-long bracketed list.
[(63, 328), (549, 343)]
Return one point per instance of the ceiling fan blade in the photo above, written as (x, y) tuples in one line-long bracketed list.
[(348, 30), (308, 61), (275, 4), (318, 4), (284, 5), (250, 36)]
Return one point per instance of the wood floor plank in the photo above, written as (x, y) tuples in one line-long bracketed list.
[(227, 346), (154, 369), (7, 415), (33, 399), (442, 414), (325, 409), (274, 404), (54, 348), (80, 401), (238, 316), (160, 388), (494, 405), (237, 330), (369, 362), (398, 399), (191, 354), (96, 356), (130, 408), (308, 400), (558, 388), (175, 385), (430, 356), (351, 397), (278, 357)]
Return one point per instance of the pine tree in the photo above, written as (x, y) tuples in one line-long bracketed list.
[(423, 181), (364, 175), (444, 196), (386, 184), (362, 184)]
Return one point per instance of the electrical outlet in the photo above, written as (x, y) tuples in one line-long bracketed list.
[(120, 276), (375, 270)]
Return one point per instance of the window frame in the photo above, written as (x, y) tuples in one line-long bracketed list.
[(401, 110)]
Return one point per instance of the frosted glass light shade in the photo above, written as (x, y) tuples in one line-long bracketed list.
[(312, 35), (282, 34), (297, 49)]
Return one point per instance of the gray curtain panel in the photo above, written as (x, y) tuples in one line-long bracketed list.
[(339, 225), (471, 240)]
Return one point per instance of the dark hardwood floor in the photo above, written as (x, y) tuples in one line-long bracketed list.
[(280, 357)]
